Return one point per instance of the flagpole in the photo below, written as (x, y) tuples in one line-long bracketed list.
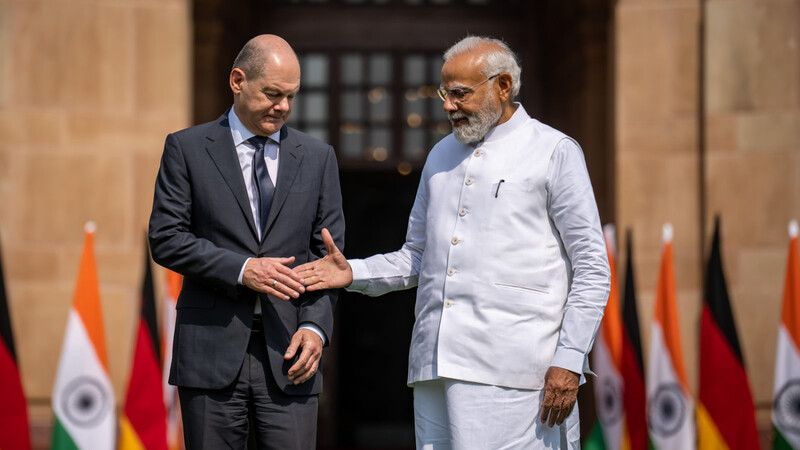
[(701, 133)]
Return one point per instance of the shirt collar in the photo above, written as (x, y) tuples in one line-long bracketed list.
[(518, 119), (240, 133)]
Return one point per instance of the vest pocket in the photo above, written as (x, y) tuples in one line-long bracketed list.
[(521, 287), (508, 200)]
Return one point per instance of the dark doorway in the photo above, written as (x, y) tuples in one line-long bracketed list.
[(370, 70)]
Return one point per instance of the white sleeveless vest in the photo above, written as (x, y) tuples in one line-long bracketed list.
[(495, 317)]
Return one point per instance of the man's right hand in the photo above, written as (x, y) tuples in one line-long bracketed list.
[(272, 276), (332, 271)]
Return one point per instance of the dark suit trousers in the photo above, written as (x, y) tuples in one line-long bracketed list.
[(219, 419)]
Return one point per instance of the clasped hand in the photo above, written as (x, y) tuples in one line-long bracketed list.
[(273, 276)]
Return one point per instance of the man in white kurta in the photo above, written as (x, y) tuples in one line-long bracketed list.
[(505, 247)]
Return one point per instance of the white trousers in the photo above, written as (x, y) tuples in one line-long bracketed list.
[(458, 415)]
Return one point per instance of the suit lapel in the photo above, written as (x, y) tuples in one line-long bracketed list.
[(291, 156), (220, 147)]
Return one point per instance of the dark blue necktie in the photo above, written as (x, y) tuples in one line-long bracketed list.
[(262, 181)]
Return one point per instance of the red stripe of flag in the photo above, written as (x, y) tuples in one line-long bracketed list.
[(14, 431)]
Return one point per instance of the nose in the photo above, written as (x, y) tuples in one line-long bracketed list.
[(283, 104), (449, 105)]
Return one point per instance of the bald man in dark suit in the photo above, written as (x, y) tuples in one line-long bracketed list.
[(238, 202)]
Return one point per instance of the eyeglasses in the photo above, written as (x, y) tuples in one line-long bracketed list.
[(460, 94)]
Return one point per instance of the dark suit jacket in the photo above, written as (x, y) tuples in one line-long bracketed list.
[(202, 227)]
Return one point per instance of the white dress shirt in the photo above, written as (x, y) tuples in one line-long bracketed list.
[(505, 245), (245, 151)]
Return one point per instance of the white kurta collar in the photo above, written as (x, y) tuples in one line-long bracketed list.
[(518, 119)]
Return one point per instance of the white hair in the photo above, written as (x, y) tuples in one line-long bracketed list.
[(498, 61)]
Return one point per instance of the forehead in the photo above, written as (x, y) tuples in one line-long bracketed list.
[(279, 78), (463, 69)]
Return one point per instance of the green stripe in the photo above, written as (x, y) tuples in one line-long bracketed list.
[(61, 439), (780, 442), (595, 439)]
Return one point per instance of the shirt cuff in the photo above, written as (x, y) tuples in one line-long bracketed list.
[(315, 329), (241, 272), (360, 275), (571, 360)]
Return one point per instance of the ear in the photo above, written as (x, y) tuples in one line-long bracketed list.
[(504, 87), (237, 78)]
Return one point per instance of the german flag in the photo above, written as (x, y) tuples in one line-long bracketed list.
[(725, 414), (14, 431), (634, 400), (144, 424)]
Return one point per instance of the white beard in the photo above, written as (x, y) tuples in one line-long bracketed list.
[(478, 124)]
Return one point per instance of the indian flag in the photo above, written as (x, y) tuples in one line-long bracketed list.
[(174, 430), (607, 360), (785, 408), (670, 413), (83, 399)]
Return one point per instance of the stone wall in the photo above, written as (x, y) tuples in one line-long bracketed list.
[(88, 91), (739, 158)]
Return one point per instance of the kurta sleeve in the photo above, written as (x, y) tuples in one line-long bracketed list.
[(572, 207)]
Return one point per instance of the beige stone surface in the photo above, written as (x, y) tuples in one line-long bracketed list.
[(721, 132), (655, 190), (111, 129), (71, 189), (31, 126), (660, 136), (753, 55), (770, 131), (160, 56), (656, 70), (44, 308), (117, 44), (756, 302), (121, 316), (5, 44), (753, 194)]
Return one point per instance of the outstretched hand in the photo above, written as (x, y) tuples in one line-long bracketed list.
[(332, 271), (560, 395)]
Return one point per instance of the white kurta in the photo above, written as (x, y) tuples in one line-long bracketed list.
[(505, 245)]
